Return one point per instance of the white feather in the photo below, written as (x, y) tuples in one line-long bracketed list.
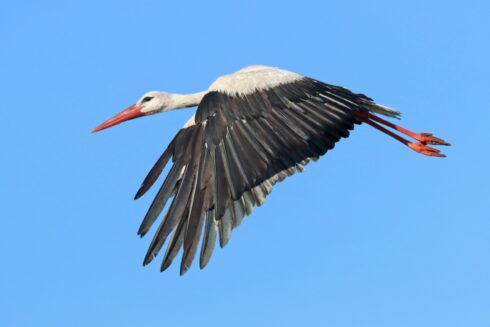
[(252, 78)]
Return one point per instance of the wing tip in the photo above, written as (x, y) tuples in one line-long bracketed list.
[(139, 194), (142, 231), (165, 264), (144, 187), (150, 255), (148, 259), (202, 264), (183, 268)]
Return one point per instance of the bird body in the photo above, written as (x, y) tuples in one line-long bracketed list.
[(248, 80), (252, 129)]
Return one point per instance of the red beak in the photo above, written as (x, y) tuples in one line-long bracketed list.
[(130, 113)]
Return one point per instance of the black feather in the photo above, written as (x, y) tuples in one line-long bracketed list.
[(156, 170), (238, 149), (209, 239)]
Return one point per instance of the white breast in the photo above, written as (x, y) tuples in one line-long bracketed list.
[(252, 78)]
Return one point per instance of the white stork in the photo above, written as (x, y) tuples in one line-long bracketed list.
[(252, 129)]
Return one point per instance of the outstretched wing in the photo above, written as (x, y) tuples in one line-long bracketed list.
[(238, 148)]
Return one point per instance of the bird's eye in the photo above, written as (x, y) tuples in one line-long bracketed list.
[(146, 99)]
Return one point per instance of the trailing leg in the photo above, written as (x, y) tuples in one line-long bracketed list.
[(422, 138)]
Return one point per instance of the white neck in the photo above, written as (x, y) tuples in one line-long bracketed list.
[(185, 100)]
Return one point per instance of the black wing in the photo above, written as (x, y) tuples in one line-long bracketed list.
[(227, 163)]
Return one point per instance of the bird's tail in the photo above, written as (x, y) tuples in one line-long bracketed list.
[(383, 110)]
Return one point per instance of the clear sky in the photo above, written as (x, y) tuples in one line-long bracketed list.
[(371, 235)]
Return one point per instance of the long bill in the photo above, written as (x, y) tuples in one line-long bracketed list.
[(129, 113)]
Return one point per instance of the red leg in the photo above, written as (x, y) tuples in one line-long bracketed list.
[(422, 138), (425, 138)]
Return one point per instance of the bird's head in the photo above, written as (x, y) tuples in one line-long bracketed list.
[(150, 103)]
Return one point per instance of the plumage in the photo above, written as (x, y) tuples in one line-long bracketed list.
[(244, 158), (209, 239), (251, 130)]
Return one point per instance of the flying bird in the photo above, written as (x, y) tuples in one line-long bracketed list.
[(251, 130)]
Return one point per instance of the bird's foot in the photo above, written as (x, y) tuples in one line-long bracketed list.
[(422, 148), (428, 138)]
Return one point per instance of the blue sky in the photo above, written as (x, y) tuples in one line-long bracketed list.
[(371, 235)]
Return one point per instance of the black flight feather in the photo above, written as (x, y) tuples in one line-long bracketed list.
[(228, 161)]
